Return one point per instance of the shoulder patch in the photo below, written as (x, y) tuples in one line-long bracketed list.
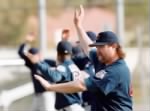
[(61, 68), (73, 68), (101, 74), (75, 71)]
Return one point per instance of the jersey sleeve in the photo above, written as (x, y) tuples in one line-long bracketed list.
[(105, 81), (50, 62), (90, 84), (21, 52), (52, 74)]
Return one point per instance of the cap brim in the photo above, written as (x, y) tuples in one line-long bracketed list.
[(97, 44)]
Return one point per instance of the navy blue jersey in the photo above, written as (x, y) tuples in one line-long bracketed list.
[(110, 86), (38, 88), (61, 74)]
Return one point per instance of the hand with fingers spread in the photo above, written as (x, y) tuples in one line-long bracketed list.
[(30, 37), (44, 82), (78, 16)]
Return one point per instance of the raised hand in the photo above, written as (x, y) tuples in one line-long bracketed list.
[(30, 37), (78, 16)]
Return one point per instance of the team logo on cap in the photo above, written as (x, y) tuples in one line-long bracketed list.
[(101, 74), (66, 51)]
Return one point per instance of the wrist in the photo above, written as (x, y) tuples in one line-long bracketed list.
[(48, 87), (79, 26)]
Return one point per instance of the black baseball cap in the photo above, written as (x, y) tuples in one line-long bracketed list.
[(76, 50), (64, 47), (33, 50), (91, 35), (104, 38)]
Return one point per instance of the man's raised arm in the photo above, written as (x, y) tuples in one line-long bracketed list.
[(83, 37)]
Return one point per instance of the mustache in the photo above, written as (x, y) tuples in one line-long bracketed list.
[(99, 54)]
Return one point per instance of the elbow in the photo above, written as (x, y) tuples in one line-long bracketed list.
[(81, 85)]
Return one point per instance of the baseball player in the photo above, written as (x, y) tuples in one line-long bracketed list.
[(65, 71), (42, 100)]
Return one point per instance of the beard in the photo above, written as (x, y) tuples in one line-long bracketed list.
[(102, 59)]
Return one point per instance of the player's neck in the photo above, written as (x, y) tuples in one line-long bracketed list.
[(112, 60)]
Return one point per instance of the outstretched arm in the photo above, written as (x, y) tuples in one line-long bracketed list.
[(53, 74), (23, 49), (68, 87), (83, 37)]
